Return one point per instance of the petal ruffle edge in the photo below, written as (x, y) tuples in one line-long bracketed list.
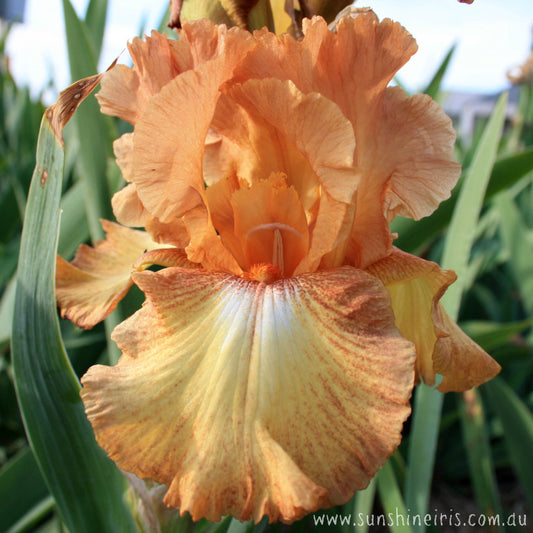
[(89, 288)]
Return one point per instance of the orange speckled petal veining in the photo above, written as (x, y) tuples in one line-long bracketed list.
[(89, 288), (247, 398), (416, 286)]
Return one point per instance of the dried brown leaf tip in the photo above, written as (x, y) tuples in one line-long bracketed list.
[(466, 1), (69, 99), (175, 10)]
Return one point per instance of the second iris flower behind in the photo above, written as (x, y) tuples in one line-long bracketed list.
[(270, 368)]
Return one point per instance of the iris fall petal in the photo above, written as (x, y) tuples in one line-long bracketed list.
[(222, 417), (462, 363), (89, 288)]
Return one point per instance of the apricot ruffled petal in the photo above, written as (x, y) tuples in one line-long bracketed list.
[(126, 92), (128, 208), (352, 67), (205, 245), (314, 149), (89, 288), (223, 418), (416, 286), (168, 167), (462, 362), (418, 140), (363, 53), (123, 150)]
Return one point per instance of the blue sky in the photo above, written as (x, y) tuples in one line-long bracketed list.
[(491, 35)]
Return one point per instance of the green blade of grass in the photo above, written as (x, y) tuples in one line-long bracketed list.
[(74, 229), (92, 127), (428, 401), (7, 303), (462, 228), (517, 423), (95, 20), (491, 335), (87, 486), (433, 88), (21, 488), (363, 503), (422, 447), (477, 446), (508, 170), (392, 501), (518, 239), (35, 515)]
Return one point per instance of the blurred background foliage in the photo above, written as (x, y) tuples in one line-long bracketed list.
[(461, 453)]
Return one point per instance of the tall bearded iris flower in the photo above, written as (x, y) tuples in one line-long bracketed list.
[(270, 368)]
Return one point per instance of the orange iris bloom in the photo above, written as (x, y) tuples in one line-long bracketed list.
[(270, 369)]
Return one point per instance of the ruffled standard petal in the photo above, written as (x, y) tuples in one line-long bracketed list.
[(128, 208), (89, 288), (352, 67), (416, 286), (123, 150), (222, 379), (168, 167), (130, 211), (418, 139), (314, 149), (126, 92), (408, 168)]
